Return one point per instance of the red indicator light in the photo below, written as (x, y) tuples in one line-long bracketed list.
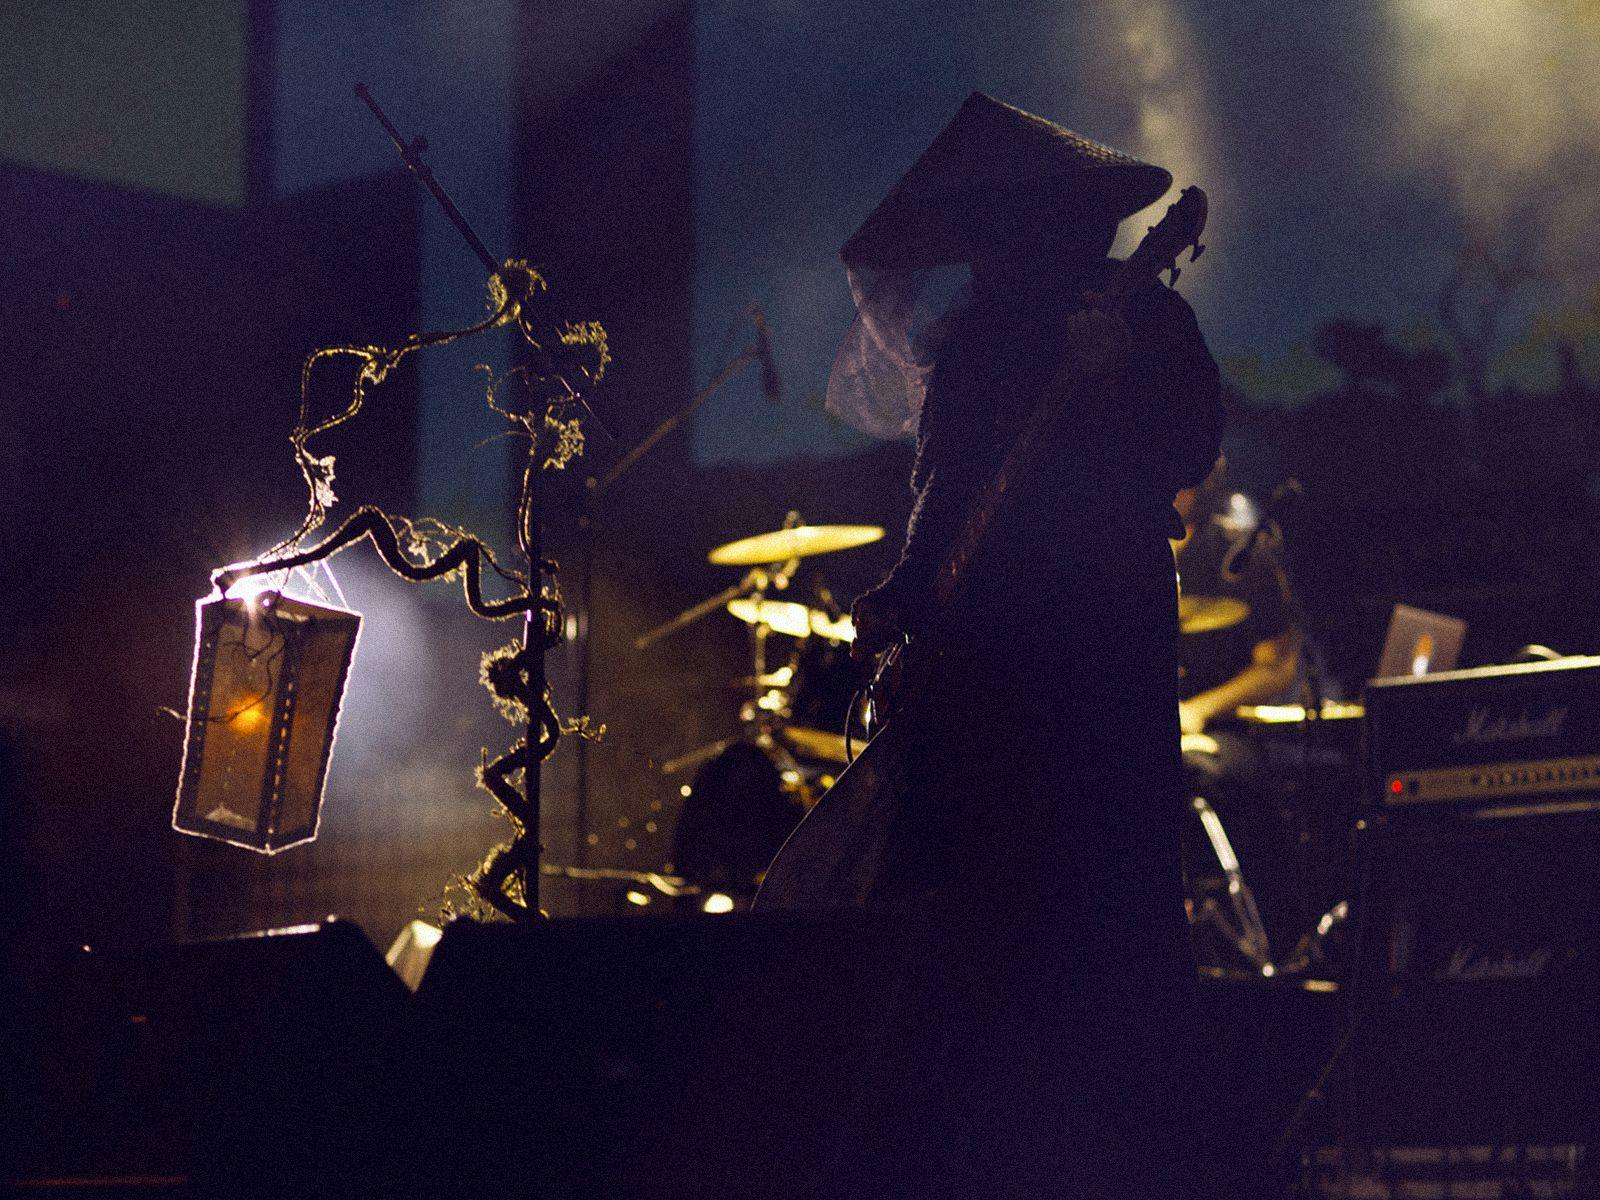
[(1396, 786)]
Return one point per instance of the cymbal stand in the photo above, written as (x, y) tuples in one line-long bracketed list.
[(753, 580), (594, 491), (767, 707)]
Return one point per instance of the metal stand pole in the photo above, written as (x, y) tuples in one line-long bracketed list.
[(587, 532), (594, 491), (530, 538)]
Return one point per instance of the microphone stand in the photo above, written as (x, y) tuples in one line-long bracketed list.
[(537, 637), (594, 491)]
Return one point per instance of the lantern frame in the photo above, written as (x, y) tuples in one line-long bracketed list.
[(283, 785)]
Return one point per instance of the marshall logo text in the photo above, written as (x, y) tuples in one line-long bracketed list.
[(1481, 729)]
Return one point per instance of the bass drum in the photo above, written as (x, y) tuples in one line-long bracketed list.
[(738, 810)]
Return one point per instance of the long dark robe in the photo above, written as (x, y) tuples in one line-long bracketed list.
[(1043, 1048)]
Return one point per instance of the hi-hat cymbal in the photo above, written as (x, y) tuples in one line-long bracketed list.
[(795, 620), (783, 544), (1203, 614)]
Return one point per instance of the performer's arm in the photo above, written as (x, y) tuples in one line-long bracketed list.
[(1273, 663), (1177, 374), (950, 468)]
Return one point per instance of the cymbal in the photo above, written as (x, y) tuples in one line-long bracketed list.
[(795, 620), (783, 544), (816, 743), (1284, 714), (1204, 614), (781, 678)]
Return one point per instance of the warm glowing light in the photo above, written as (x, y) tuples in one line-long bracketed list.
[(252, 588), (717, 902), (638, 898), (1332, 917), (1274, 714), (1422, 654), (1396, 786), (250, 718), (685, 791)]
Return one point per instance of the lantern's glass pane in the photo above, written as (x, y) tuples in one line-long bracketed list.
[(233, 768), (323, 657)]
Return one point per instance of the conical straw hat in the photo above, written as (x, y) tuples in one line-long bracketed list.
[(995, 161)]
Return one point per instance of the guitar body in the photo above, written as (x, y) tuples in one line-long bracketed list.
[(834, 858)]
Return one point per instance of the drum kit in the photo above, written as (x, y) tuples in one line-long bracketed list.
[(743, 794)]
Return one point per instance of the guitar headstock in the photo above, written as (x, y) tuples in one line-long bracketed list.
[(1177, 231)]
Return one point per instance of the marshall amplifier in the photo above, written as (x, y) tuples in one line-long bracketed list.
[(1476, 979), (1494, 741)]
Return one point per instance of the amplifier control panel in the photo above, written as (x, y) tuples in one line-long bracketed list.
[(1490, 782)]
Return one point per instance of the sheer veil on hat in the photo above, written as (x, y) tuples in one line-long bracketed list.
[(992, 161)]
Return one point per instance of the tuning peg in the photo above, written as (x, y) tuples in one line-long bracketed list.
[(1198, 250)]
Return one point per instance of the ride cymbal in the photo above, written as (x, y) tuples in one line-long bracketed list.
[(783, 544)]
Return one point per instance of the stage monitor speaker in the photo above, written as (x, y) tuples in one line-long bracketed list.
[(696, 1056), (256, 1065), (1478, 1015)]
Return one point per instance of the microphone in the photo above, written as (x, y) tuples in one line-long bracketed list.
[(1284, 497), (771, 385)]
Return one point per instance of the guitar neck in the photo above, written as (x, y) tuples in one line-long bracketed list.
[(1021, 459)]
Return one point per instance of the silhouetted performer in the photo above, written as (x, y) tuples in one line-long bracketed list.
[(1041, 1053)]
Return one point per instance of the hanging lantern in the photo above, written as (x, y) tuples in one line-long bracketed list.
[(269, 674)]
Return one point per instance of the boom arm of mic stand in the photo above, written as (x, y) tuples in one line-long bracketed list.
[(411, 155), (690, 615), (626, 463)]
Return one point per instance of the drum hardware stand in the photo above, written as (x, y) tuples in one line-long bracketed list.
[(1272, 542), (1309, 949), (594, 491), (767, 708), (754, 585), (1245, 930), (1290, 1139)]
